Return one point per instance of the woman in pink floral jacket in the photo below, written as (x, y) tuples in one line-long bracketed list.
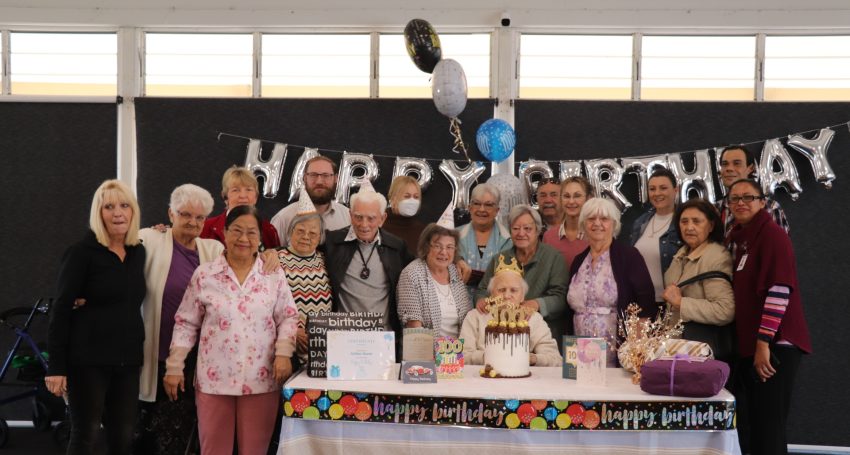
[(244, 322)]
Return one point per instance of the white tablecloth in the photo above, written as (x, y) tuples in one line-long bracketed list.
[(302, 436)]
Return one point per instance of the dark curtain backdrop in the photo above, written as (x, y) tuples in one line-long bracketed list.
[(61, 152), (55, 155)]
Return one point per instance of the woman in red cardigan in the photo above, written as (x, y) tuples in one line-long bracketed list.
[(772, 332)]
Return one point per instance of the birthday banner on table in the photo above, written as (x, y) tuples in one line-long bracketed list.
[(774, 168), (509, 414)]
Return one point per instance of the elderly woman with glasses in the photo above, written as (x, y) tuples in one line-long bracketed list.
[(244, 322), (606, 277), (431, 293), (172, 257), (305, 269), (772, 332), (543, 268), (483, 237)]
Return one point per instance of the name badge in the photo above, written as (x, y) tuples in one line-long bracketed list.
[(742, 263)]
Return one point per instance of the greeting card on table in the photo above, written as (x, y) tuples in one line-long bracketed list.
[(591, 357), (448, 354), (417, 372), (570, 356), (357, 355), (417, 344)]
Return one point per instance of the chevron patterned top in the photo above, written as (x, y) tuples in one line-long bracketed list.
[(309, 282)]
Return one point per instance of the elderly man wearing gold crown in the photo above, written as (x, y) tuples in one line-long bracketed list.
[(508, 289), (364, 261)]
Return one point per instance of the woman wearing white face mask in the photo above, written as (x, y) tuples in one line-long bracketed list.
[(404, 203)]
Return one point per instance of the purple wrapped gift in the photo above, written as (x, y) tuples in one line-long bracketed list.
[(683, 376)]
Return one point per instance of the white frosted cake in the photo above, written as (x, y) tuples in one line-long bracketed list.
[(506, 352)]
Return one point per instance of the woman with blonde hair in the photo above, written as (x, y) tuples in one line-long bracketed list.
[(239, 187), (96, 349), (404, 199), (569, 239)]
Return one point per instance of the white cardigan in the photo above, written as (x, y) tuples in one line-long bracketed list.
[(159, 247)]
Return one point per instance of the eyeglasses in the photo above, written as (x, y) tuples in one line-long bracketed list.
[(238, 233), (747, 198), (591, 220), (446, 248), (316, 176), (186, 216), (486, 205), (528, 229), (305, 233)]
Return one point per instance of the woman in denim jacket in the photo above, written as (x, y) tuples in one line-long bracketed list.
[(653, 233)]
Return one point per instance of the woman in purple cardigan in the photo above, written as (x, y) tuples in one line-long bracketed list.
[(772, 332), (606, 277)]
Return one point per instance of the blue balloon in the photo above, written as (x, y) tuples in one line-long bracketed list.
[(512, 404), (496, 139), (287, 393), (323, 403), (550, 414)]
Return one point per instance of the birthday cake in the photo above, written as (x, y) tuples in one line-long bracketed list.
[(507, 343)]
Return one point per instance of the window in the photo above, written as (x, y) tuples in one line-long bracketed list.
[(198, 64), (63, 64), (398, 77), (316, 66), (807, 68), (698, 67), (575, 67)]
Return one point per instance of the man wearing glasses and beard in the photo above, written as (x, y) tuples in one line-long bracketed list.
[(320, 176)]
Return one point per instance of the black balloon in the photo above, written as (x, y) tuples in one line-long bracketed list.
[(423, 44)]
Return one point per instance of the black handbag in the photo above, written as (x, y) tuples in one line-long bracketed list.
[(721, 338)]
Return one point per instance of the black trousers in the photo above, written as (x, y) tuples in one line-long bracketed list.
[(107, 395), (763, 406), (169, 427)]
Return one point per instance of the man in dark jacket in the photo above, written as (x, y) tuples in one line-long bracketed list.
[(364, 261)]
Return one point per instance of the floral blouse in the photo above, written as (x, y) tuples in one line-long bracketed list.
[(593, 297), (240, 328)]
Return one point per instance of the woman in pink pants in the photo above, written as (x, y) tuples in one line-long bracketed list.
[(244, 321)]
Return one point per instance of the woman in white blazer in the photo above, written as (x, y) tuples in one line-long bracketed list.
[(172, 257)]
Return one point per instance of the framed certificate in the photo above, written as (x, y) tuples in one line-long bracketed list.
[(358, 355)]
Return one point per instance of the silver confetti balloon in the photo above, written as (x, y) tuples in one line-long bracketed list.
[(448, 87), (814, 150), (271, 170), (510, 192)]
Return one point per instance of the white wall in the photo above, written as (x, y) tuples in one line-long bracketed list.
[(683, 15)]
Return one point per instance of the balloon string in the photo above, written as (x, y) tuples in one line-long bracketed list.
[(454, 129)]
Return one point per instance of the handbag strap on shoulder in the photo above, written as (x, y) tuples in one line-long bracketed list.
[(705, 276)]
